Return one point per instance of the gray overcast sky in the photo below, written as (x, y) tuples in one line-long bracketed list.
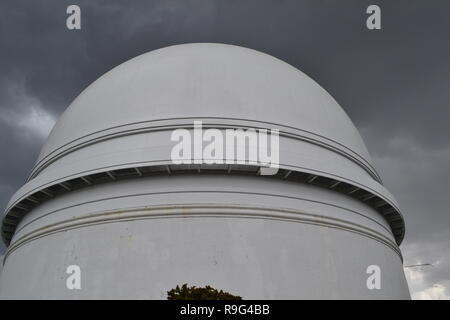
[(393, 83)]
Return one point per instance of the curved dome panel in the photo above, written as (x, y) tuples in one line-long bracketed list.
[(206, 81)]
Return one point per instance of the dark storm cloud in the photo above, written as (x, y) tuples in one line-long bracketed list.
[(393, 83)]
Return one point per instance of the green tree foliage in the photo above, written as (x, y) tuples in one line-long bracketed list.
[(199, 293)]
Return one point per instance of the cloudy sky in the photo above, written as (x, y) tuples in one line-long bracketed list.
[(394, 84)]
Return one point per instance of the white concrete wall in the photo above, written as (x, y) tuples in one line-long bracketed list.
[(140, 238)]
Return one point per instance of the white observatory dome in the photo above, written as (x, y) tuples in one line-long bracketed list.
[(206, 81), (105, 194)]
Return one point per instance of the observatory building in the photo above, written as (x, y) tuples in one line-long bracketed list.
[(105, 194)]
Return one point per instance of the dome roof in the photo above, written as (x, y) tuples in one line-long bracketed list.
[(120, 126), (206, 80)]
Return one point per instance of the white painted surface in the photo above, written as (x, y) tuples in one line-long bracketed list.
[(258, 237)]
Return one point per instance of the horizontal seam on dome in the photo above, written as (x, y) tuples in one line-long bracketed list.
[(398, 237), (208, 191), (377, 235), (41, 164)]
